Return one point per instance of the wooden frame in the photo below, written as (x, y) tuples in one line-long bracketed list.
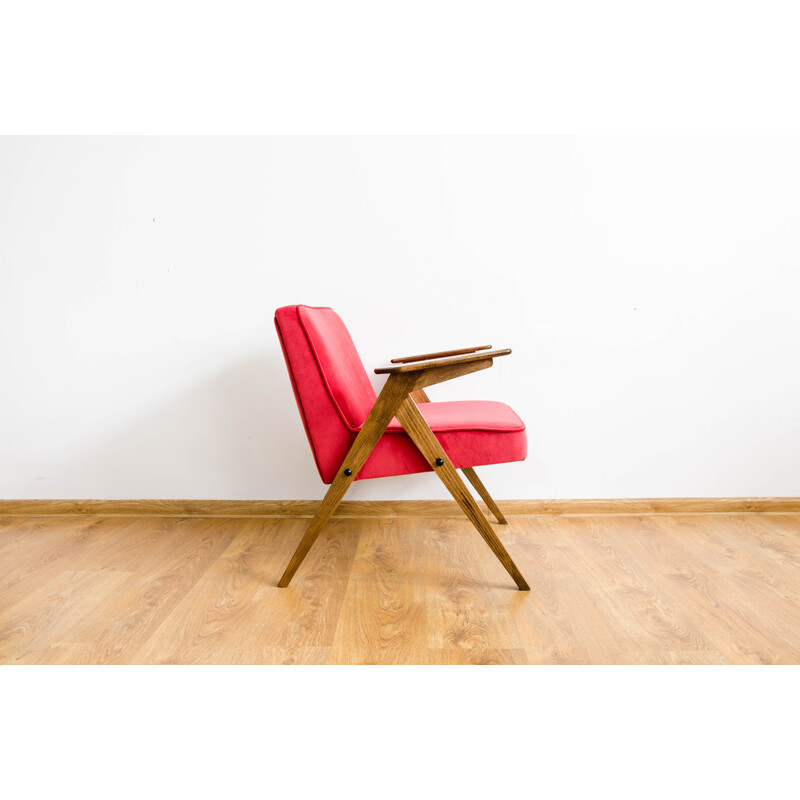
[(441, 354), (398, 398)]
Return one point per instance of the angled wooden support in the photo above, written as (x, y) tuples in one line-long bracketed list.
[(473, 478), (394, 392), (419, 396), (396, 400), (424, 438)]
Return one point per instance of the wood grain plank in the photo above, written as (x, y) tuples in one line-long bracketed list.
[(460, 362), (54, 610), (144, 601), (61, 654), (734, 623), (606, 589), (306, 613), (644, 616), (765, 554), (61, 545), (388, 578), (459, 655), (468, 600), (673, 657), (561, 624), (220, 620), (440, 354)]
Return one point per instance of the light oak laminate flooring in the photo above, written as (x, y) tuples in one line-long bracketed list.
[(627, 589)]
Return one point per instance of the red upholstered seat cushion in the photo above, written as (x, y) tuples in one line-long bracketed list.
[(472, 432)]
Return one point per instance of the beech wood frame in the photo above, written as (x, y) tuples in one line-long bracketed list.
[(399, 398)]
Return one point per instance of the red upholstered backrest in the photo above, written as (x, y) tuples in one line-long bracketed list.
[(330, 384)]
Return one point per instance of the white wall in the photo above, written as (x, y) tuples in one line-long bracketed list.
[(649, 288)]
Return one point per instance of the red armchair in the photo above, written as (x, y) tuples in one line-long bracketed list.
[(355, 434)]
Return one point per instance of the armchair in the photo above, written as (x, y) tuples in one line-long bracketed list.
[(356, 435)]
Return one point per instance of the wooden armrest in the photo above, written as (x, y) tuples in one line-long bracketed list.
[(443, 362), (442, 354)]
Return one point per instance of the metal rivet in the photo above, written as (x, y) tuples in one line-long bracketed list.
[(348, 472), (439, 462)]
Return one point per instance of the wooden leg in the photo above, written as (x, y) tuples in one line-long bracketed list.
[(415, 426), (394, 392), (419, 396), (332, 499), (473, 478)]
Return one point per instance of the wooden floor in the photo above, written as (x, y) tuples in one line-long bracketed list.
[(651, 589)]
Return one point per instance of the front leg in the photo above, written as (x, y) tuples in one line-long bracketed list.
[(391, 397)]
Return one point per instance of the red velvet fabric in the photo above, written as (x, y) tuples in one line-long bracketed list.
[(328, 434), (472, 432), (339, 363), (334, 396)]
